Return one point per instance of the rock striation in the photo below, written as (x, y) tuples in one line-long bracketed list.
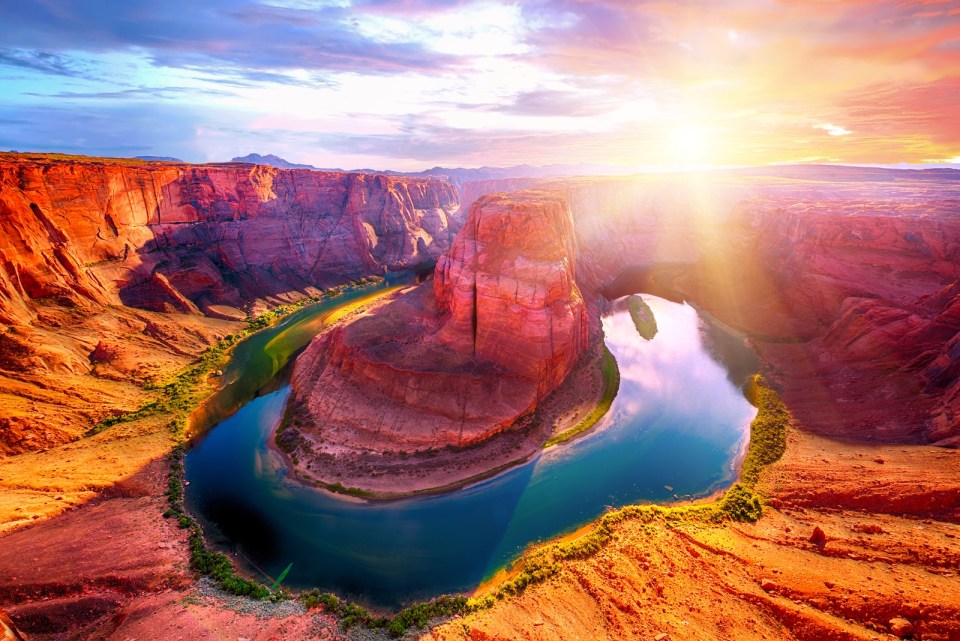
[(181, 238), (454, 361), (114, 272)]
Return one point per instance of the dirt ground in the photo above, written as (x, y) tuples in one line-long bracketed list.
[(891, 550)]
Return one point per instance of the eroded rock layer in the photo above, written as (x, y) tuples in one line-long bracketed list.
[(182, 238), (115, 272), (846, 282), (457, 360)]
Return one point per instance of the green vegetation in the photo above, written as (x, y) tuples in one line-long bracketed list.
[(203, 560), (642, 317), (415, 616), (768, 434), (740, 502), (611, 385), (270, 317), (339, 488), (768, 431), (182, 394), (177, 398)]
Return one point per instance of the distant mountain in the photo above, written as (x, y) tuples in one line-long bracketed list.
[(158, 158), (275, 161), (459, 175)]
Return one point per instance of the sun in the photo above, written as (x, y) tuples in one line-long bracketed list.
[(688, 145)]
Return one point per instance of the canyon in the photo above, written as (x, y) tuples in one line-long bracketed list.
[(845, 281), (121, 269), (450, 363)]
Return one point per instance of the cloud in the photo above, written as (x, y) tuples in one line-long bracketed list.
[(548, 102), (165, 93), (42, 62), (491, 81), (833, 130), (184, 33)]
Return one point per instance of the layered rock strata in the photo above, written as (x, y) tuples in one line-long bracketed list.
[(182, 238), (115, 272), (454, 361)]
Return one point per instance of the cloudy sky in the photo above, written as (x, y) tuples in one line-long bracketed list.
[(409, 84)]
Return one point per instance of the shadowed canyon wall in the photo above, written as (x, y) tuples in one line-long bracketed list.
[(847, 283), (843, 275), (108, 268)]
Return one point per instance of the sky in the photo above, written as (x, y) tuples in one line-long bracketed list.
[(410, 84)]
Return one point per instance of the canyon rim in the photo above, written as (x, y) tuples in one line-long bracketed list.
[(526, 321)]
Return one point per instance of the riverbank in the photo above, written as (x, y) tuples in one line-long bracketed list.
[(40, 485), (390, 476)]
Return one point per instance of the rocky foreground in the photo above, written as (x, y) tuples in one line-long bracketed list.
[(845, 280)]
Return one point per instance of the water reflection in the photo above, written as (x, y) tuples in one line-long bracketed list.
[(673, 430)]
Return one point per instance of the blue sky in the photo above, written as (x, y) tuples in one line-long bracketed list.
[(415, 83)]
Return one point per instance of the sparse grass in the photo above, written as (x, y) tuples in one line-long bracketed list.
[(739, 503), (642, 315), (611, 385), (182, 394), (203, 560), (178, 398), (339, 488), (415, 616)]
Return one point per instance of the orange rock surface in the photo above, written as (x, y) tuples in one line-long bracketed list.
[(174, 237), (844, 280), (455, 361)]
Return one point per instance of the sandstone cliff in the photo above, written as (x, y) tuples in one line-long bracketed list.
[(108, 268), (455, 361), (180, 238), (846, 283)]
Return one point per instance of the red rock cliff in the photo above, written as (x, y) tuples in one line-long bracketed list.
[(168, 237), (847, 283), (509, 287), (458, 360)]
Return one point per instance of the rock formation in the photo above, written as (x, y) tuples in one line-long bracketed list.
[(455, 361), (101, 257), (845, 282), (181, 238)]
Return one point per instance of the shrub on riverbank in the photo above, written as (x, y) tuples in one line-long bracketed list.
[(611, 385), (642, 316), (768, 441)]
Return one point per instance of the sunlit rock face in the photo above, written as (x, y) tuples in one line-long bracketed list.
[(508, 288), (179, 237), (455, 361)]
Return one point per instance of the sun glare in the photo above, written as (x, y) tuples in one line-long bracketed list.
[(687, 146)]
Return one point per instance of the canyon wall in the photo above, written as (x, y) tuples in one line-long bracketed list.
[(181, 238), (114, 273), (846, 284)]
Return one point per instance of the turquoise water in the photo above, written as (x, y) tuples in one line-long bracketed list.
[(675, 429)]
